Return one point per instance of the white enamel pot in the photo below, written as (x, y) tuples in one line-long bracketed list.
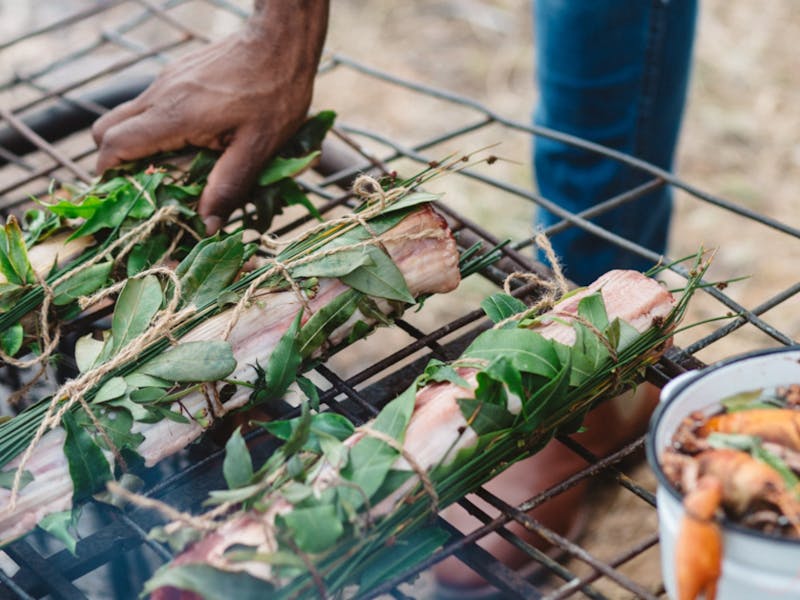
[(755, 565)]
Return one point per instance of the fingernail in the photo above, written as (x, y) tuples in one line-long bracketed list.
[(212, 223)]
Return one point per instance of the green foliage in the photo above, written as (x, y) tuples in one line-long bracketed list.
[(499, 307), (14, 263), (62, 526), (237, 466), (88, 467)]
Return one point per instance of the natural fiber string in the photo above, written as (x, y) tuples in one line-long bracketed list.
[(425, 479), (173, 514), (593, 328), (127, 241), (49, 343), (554, 288), (366, 183), (72, 391)]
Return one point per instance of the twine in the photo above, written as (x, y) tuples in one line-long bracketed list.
[(127, 242), (203, 523), (554, 288), (377, 199), (73, 391), (427, 484)]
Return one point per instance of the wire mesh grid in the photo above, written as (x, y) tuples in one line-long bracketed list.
[(102, 53)]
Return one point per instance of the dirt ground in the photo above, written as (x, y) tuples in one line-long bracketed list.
[(740, 142)]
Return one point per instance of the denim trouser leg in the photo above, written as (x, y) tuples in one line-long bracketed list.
[(614, 72)]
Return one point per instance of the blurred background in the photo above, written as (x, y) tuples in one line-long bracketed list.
[(740, 139)]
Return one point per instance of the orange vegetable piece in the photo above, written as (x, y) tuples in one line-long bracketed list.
[(698, 553), (780, 426)]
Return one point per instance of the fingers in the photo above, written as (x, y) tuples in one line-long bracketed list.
[(138, 136), (124, 111), (233, 176)]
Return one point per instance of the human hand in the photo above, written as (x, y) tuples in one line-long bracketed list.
[(244, 95)]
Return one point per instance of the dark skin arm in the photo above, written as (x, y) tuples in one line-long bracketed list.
[(244, 95)]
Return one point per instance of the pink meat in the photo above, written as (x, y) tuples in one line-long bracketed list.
[(429, 266), (437, 429)]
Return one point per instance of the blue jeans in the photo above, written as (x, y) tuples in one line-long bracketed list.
[(613, 72)]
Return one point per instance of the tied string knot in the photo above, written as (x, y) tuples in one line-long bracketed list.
[(74, 391), (553, 289), (125, 243), (365, 187)]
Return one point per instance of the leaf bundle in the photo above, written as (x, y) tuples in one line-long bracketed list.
[(339, 505)]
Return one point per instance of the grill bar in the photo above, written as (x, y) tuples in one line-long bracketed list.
[(35, 145)]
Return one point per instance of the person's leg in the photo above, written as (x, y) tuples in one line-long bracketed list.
[(615, 73)]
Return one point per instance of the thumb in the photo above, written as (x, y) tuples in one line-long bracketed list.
[(233, 176)]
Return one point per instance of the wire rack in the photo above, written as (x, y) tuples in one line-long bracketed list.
[(102, 53)]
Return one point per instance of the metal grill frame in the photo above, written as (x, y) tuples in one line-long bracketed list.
[(35, 127)]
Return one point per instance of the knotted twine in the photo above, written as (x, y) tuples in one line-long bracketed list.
[(126, 242), (73, 391), (554, 289)]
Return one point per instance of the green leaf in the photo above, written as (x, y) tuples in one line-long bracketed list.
[(310, 390), (293, 195), (485, 417), (87, 351), (313, 529), (10, 294), (177, 540), (116, 423), (236, 495), (61, 526), (310, 135), (14, 263), (381, 278), (209, 360), (410, 200), (547, 397), (593, 309), (82, 283), (38, 224), (370, 458), (146, 254), (237, 466), (123, 200), (337, 264), (140, 380), (282, 367), (790, 480), (528, 351), (7, 479), (211, 270), (111, 389), (148, 395), (295, 492), (745, 401), (11, 339), (138, 303), (326, 320), (279, 167), (321, 425), (88, 467), (208, 582), (71, 210), (500, 307), (439, 371)]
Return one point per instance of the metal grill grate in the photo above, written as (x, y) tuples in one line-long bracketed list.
[(105, 53)]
